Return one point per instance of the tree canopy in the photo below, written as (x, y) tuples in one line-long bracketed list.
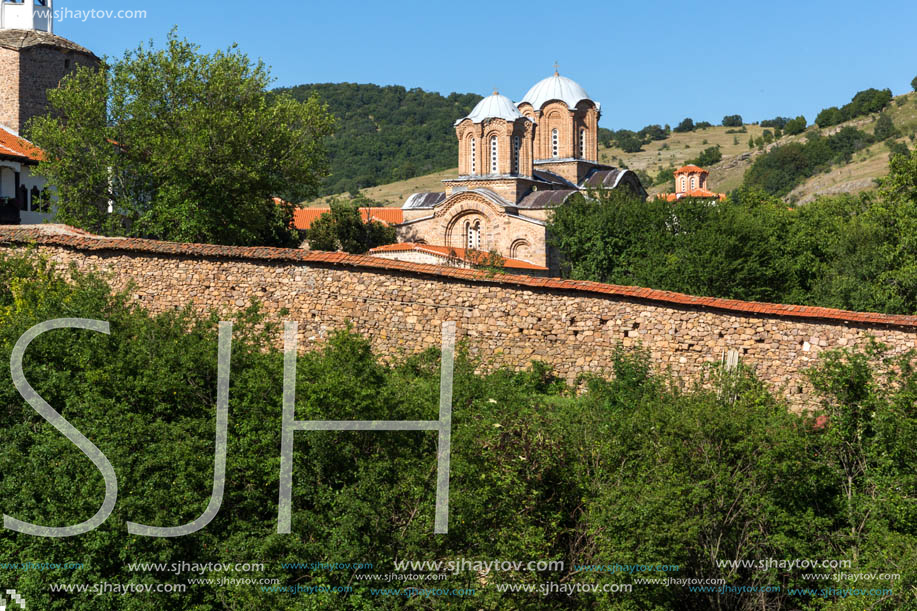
[(343, 228), (854, 253), (863, 103), (181, 146), (385, 134)]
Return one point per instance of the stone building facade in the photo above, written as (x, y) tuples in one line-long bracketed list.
[(506, 320), (517, 162)]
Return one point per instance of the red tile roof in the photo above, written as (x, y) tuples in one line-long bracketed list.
[(691, 193), (452, 253), (12, 145), (68, 237), (304, 217), (690, 168)]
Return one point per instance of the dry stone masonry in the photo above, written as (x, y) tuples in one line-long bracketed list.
[(506, 320)]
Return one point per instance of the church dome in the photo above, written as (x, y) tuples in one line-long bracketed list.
[(494, 106), (557, 87)]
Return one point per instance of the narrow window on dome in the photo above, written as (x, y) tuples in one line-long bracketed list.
[(582, 143), (683, 183), (471, 169), (693, 183), (493, 154), (554, 142), (515, 154)]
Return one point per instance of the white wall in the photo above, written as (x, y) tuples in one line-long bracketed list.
[(26, 16)]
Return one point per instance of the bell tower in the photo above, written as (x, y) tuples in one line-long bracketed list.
[(35, 15), (32, 60)]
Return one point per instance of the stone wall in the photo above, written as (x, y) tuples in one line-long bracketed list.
[(42, 67), (507, 320), (9, 89)]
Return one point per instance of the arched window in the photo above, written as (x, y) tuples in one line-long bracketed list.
[(473, 235), (493, 154), (473, 157), (516, 145), (693, 182), (554, 143), (582, 143), (683, 184)]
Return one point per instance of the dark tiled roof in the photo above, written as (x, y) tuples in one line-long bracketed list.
[(551, 177), (424, 199), (22, 39), (68, 237), (603, 178), (537, 200)]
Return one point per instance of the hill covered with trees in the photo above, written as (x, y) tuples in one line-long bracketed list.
[(385, 134)]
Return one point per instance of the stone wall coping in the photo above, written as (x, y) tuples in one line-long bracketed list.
[(70, 237)]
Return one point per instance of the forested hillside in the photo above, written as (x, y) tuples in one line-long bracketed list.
[(387, 133)]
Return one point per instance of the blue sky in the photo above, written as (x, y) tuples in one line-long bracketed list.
[(646, 62)]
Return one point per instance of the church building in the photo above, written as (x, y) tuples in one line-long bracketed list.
[(517, 162), (32, 61)]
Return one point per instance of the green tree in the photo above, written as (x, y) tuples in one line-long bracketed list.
[(708, 156), (653, 132), (914, 84), (829, 116), (628, 141), (885, 128), (183, 146), (686, 125), (795, 126), (732, 121), (343, 228)]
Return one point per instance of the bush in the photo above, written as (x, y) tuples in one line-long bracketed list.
[(732, 121), (898, 148), (914, 84), (703, 125)]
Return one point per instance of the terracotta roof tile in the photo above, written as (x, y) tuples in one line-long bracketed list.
[(690, 168), (69, 237), (12, 145), (304, 217)]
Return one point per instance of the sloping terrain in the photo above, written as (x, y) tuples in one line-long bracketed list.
[(857, 175)]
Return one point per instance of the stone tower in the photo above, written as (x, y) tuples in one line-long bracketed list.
[(32, 60)]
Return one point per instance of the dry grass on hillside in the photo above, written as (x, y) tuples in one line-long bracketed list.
[(726, 175)]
